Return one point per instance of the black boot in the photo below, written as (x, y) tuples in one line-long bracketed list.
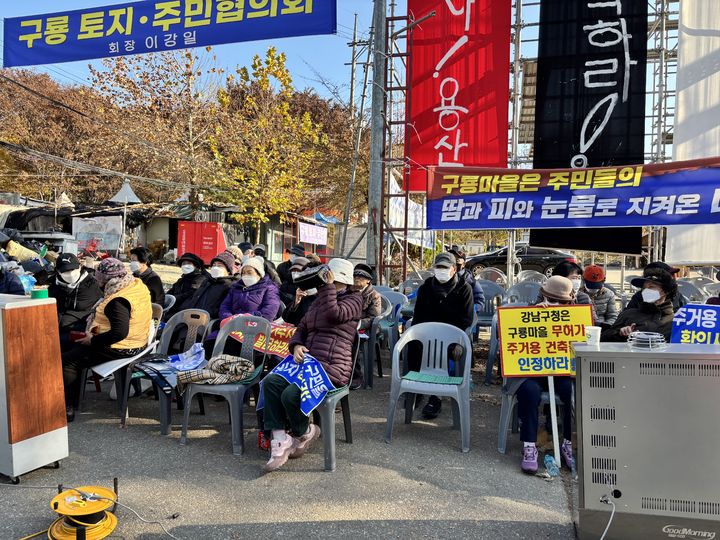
[(70, 413), (432, 409)]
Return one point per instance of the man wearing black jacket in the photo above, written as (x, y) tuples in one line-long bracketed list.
[(75, 292), (194, 276), (446, 299), (283, 269)]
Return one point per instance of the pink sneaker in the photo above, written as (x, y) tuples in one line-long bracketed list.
[(279, 452), (300, 445), (530, 459)]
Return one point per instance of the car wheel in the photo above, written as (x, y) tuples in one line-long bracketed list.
[(549, 271), (475, 270)]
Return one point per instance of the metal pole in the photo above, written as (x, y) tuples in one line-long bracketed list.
[(516, 83), (353, 63), (661, 87), (511, 258), (356, 153), (375, 211)]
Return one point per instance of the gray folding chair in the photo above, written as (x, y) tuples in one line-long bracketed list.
[(433, 378), (712, 289), (251, 328), (411, 285), (382, 288), (196, 322), (389, 326), (326, 414), (491, 291), (532, 276), (169, 302), (691, 292), (494, 351), (526, 292), (492, 274)]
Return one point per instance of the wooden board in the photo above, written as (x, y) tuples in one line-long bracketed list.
[(33, 372)]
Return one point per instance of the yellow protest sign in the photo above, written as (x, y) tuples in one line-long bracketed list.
[(535, 341)]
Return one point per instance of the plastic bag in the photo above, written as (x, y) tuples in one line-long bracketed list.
[(193, 358), (28, 282)]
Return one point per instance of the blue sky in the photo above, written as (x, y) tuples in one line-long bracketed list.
[(326, 55)]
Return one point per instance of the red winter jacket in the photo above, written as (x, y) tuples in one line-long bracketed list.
[(328, 331)]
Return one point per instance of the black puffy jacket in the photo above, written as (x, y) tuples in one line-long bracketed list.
[(74, 304)]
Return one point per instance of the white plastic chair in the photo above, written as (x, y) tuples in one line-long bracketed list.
[(389, 326), (169, 302), (526, 292), (433, 378)]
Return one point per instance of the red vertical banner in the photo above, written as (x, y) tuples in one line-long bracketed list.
[(457, 112)]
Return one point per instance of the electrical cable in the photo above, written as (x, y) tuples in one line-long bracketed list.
[(143, 519), (612, 515)]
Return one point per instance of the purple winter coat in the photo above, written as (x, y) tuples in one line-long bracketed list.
[(261, 300), (328, 330)]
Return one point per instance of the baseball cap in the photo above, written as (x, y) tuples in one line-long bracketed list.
[(297, 249), (445, 260), (67, 262), (594, 276)]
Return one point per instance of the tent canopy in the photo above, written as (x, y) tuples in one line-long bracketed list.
[(126, 195)]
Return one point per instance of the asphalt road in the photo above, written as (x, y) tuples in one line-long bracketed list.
[(420, 485)]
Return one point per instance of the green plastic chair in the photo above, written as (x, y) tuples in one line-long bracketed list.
[(433, 378)]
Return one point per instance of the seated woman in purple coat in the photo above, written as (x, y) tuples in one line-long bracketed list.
[(255, 294)]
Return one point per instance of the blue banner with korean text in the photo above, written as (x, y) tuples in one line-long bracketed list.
[(310, 377), (696, 323), (680, 193), (162, 25)]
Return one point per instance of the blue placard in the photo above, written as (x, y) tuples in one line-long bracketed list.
[(153, 26), (696, 323)]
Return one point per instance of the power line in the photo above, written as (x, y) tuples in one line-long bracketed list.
[(34, 155)]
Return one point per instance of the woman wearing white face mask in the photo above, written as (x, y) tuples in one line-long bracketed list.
[(76, 292), (141, 259), (193, 277), (655, 313), (255, 293), (211, 293)]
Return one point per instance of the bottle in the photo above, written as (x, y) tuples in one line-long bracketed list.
[(550, 466)]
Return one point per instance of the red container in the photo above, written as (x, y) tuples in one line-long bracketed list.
[(203, 239)]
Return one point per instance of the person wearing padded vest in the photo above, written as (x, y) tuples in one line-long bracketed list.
[(327, 332), (118, 328)]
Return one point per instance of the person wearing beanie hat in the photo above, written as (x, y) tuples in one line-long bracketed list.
[(213, 291), (76, 294), (194, 276), (327, 332), (119, 327), (602, 299), (141, 259), (442, 298), (655, 312), (253, 294), (283, 268), (557, 290), (678, 300), (246, 248), (371, 308), (237, 253)]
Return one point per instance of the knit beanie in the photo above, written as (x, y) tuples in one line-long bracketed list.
[(236, 252), (258, 263), (108, 269), (228, 261)]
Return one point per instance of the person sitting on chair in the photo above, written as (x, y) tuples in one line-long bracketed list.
[(141, 259), (288, 290), (213, 292), (260, 251), (76, 294), (443, 298), (478, 294), (327, 332), (119, 328), (574, 273), (371, 308), (678, 300), (557, 290), (655, 312), (193, 277), (602, 298), (295, 252), (303, 299)]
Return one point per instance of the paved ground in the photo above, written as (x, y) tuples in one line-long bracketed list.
[(421, 485)]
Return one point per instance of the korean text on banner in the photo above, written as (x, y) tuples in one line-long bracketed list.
[(310, 377), (680, 193), (696, 323), (536, 341), (458, 108), (280, 336), (152, 26), (312, 234)]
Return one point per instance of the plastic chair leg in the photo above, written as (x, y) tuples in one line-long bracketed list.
[(165, 402), (394, 397), (327, 420), (186, 414), (490, 364), (457, 422), (378, 360), (367, 361), (201, 404), (83, 384), (409, 407), (464, 409), (505, 416), (122, 389), (515, 425), (96, 380), (345, 404), (236, 420)]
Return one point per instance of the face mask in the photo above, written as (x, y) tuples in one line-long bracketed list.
[(187, 268), (311, 292), (576, 284), (650, 296), (218, 272), (293, 258), (249, 281), (134, 266), (70, 277), (442, 275), (295, 276), (593, 292)]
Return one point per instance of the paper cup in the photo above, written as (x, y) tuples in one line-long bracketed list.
[(593, 335), (39, 292)]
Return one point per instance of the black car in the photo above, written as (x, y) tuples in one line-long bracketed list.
[(541, 260)]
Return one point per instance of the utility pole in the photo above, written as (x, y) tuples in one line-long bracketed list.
[(353, 63), (375, 210)]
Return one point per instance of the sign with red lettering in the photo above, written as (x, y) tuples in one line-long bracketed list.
[(459, 73)]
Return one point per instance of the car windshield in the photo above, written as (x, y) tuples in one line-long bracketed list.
[(500, 251)]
